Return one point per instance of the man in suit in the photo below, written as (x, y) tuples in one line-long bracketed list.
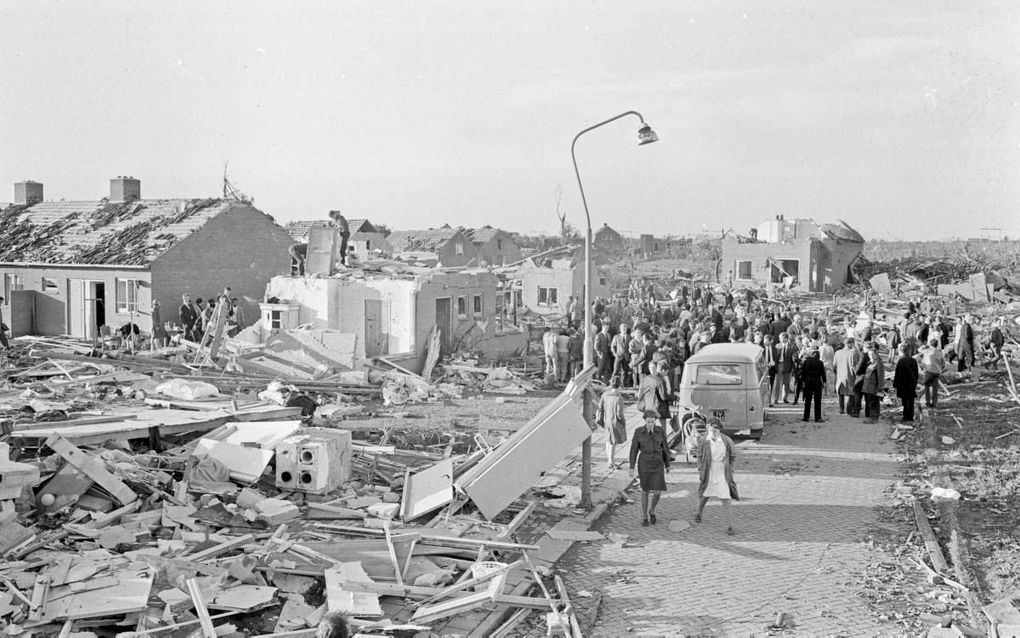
[(813, 380), (771, 366), (846, 360), (189, 317), (786, 353)]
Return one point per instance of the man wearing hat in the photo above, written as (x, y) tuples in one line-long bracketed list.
[(813, 380)]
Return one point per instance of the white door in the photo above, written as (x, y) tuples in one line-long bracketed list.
[(76, 307)]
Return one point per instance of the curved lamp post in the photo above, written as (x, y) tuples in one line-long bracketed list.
[(645, 136)]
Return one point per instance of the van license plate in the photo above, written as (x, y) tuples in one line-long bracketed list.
[(719, 414)]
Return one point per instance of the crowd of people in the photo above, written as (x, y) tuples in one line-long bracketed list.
[(642, 342), (198, 317)]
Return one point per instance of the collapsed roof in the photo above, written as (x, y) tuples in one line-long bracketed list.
[(131, 233)]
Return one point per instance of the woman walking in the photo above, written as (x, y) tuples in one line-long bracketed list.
[(610, 416), (716, 455), (649, 443)]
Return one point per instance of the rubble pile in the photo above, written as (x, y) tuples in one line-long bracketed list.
[(143, 495)]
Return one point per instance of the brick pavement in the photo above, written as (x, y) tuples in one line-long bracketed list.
[(808, 496)]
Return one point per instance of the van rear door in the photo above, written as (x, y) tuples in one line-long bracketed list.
[(718, 388)]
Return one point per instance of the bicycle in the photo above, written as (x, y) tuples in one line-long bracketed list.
[(693, 427)]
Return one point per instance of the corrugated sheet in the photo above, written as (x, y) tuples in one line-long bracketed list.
[(89, 232)]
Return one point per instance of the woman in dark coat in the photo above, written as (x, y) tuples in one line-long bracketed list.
[(649, 451), (716, 455), (905, 382)]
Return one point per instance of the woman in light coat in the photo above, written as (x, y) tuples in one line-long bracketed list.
[(716, 456)]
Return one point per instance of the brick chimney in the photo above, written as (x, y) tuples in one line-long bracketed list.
[(28, 192), (125, 189)]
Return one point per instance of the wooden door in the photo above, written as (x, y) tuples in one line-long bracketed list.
[(376, 337)]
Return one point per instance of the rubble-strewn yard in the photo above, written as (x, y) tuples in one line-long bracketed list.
[(141, 501)]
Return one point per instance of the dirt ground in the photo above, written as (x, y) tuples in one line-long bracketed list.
[(971, 443)]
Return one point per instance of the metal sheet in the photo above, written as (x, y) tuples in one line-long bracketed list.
[(519, 462)]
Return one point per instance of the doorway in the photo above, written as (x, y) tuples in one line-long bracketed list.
[(87, 307), (376, 339), (444, 320)]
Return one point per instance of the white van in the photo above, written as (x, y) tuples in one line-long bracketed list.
[(728, 381)]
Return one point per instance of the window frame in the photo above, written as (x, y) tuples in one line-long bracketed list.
[(49, 285), (700, 380), (126, 306), (551, 296), (461, 306), (477, 305), (750, 269), (13, 282), (458, 248)]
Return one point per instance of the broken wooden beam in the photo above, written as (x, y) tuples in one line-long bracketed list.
[(931, 543), (91, 467)]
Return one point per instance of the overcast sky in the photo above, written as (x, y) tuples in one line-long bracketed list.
[(900, 118)]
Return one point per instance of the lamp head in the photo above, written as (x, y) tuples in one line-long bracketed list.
[(646, 135)]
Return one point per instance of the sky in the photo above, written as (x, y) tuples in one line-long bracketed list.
[(899, 118)]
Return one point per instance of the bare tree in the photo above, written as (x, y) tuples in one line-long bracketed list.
[(560, 213), (567, 231)]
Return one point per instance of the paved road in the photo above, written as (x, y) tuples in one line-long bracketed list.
[(808, 495)]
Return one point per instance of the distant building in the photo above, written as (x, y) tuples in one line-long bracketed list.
[(546, 289), (495, 247), (369, 245), (798, 252), (444, 246), (75, 267), (607, 239), (299, 230), (651, 247)]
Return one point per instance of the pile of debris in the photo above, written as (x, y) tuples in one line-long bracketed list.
[(139, 500)]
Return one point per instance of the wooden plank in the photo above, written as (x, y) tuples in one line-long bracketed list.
[(411, 591), (129, 595), (208, 631), (93, 468), (471, 582), (459, 605), (931, 543), (511, 527), (222, 548), (398, 571), (339, 597), (433, 539)]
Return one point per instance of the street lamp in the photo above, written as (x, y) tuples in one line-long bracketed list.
[(645, 136)]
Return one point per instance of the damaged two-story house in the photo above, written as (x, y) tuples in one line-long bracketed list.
[(72, 267), (798, 253)]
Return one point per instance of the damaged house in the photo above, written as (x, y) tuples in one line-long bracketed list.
[(72, 267), (367, 240), (494, 247), (797, 253), (394, 314), (445, 246), (546, 289)]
